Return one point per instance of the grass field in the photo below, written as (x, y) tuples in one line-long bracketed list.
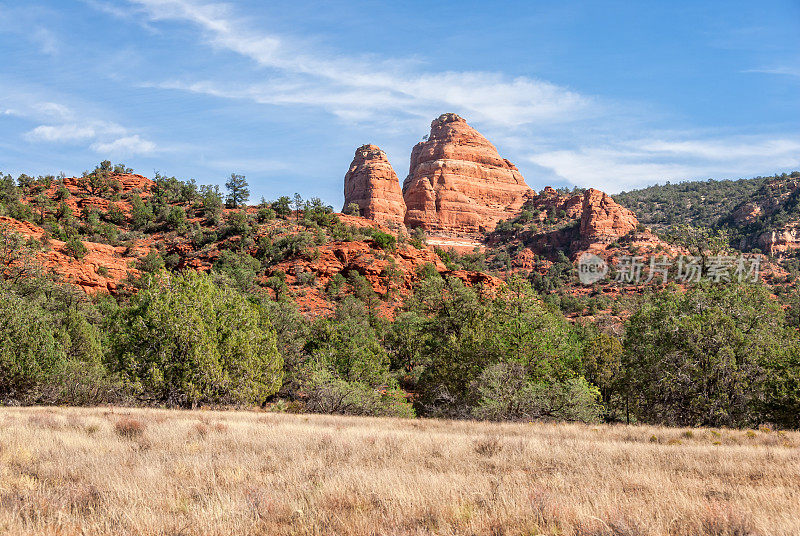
[(119, 471)]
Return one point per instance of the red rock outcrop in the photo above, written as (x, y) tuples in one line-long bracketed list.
[(391, 274), (103, 267), (122, 181), (458, 183), (550, 201), (602, 219), (372, 184)]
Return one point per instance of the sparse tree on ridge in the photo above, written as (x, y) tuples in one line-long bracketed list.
[(238, 190)]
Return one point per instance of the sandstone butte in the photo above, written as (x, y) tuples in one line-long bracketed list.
[(459, 187), (458, 184), (372, 184)]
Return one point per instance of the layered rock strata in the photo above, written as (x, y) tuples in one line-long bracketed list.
[(372, 184), (458, 184)]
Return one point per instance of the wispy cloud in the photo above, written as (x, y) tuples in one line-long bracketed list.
[(625, 165), (361, 88), (119, 12), (125, 146), (46, 40), (30, 22), (785, 70), (61, 133), (71, 128), (55, 110)]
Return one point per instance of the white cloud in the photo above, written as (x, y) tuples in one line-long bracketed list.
[(362, 88), (53, 109), (60, 133), (727, 149), (74, 132), (100, 136), (781, 70), (27, 104), (125, 146), (627, 165)]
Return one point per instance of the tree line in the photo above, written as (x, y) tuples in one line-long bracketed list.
[(713, 355)]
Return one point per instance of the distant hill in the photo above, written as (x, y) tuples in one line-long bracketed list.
[(759, 214), (696, 203)]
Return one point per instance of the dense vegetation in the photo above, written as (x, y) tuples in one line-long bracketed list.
[(698, 203), (725, 355)]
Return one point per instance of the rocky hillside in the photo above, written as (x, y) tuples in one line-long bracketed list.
[(759, 214), (463, 210), (698, 203), (104, 230), (769, 219)]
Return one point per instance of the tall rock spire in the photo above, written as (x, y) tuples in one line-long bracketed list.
[(372, 184)]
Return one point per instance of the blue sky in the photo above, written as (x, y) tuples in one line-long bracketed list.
[(614, 95)]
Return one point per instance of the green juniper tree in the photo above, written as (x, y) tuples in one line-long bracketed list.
[(238, 191)]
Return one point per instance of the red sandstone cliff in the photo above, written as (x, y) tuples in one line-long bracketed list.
[(458, 183)]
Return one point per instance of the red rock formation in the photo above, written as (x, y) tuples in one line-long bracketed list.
[(372, 184), (458, 183), (525, 259), (122, 181), (549, 200), (602, 219), (101, 269)]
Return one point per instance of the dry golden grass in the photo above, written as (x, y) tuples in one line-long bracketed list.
[(156, 472)]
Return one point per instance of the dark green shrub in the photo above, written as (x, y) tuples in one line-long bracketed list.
[(150, 263), (75, 248), (176, 219), (326, 393), (505, 392), (186, 341), (115, 214), (383, 240)]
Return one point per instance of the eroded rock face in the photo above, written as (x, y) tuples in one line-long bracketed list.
[(780, 239), (372, 184), (602, 219), (458, 183), (102, 269), (392, 274), (123, 181)]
